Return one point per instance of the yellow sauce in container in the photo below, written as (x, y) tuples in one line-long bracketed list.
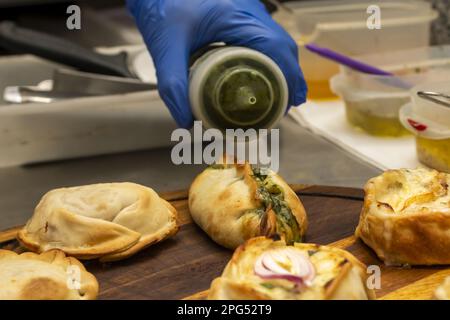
[(434, 153), (429, 120), (372, 123), (319, 90), (369, 107)]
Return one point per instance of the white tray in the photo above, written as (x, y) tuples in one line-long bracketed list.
[(327, 119)]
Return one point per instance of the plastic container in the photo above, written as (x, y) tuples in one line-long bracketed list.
[(235, 87), (430, 122), (372, 109), (373, 102), (342, 26)]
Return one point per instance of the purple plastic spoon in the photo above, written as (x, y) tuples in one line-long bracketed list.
[(346, 61), (357, 65)]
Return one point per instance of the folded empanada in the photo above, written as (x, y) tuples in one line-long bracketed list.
[(110, 221), (406, 217), (266, 269), (233, 203), (47, 276)]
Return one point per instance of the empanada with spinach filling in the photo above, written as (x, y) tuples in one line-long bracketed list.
[(235, 202)]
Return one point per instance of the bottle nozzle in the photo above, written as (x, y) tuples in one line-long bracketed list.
[(245, 98)]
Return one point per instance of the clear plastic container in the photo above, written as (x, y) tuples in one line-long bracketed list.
[(373, 102), (430, 122), (371, 109), (342, 26)]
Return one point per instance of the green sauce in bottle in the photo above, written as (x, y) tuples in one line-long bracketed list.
[(234, 87)]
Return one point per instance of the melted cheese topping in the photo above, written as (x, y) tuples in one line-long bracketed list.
[(403, 191)]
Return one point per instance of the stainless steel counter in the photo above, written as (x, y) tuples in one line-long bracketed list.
[(304, 158)]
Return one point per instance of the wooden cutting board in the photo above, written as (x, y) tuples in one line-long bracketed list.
[(183, 266)]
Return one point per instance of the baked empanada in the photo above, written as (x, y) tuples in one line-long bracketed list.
[(110, 221), (266, 269), (406, 217), (235, 202), (46, 276), (443, 291)]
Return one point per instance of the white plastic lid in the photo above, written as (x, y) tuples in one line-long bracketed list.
[(409, 59), (426, 118)]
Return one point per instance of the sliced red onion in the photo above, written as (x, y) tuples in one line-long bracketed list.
[(301, 270)]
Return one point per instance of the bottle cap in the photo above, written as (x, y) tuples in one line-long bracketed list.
[(235, 87)]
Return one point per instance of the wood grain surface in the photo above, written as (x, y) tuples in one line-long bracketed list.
[(183, 266)]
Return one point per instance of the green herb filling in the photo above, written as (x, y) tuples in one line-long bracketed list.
[(272, 196)]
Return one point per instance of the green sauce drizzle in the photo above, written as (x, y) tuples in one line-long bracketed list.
[(272, 196)]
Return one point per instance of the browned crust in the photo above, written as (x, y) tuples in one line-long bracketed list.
[(239, 291), (332, 286), (418, 238), (46, 286), (83, 254), (266, 225), (351, 261), (247, 292), (442, 292)]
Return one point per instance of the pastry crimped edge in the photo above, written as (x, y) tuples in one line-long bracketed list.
[(146, 241), (123, 247), (417, 238), (241, 291), (290, 197), (89, 286)]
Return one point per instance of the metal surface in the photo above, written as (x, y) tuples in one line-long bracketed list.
[(69, 84), (304, 158), (66, 80), (24, 94), (435, 97)]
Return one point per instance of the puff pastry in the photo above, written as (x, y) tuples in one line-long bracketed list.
[(235, 202), (47, 276), (443, 291), (110, 221), (406, 217), (299, 272)]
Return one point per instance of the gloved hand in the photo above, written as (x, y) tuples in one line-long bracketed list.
[(175, 29)]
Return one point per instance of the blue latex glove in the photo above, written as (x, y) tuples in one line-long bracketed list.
[(174, 29)]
